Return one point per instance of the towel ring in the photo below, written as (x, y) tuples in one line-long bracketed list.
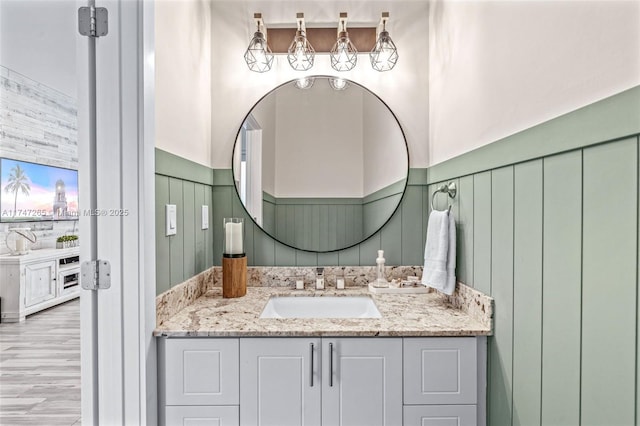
[(448, 188)]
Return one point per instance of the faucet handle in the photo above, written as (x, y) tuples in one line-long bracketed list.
[(319, 278)]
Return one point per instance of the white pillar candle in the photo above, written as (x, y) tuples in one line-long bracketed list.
[(233, 238), (19, 244)]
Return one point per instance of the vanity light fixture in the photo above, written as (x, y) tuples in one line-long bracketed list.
[(304, 83), (384, 54), (300, 54), (344, 54), (258, 55), (338, 83)]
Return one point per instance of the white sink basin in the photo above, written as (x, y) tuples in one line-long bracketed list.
[(320, 307)]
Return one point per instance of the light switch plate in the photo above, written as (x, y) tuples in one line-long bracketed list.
[(205, 217), (171, 219)]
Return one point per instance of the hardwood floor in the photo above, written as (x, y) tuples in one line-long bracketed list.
[(40, 368)]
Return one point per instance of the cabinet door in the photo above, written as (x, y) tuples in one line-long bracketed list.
[(440, 370), (280, 381), (39, 283), (201, 416), (440, 415), (362, 382), (199, 371)]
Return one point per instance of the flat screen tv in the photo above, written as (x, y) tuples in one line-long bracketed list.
[(36, 192)]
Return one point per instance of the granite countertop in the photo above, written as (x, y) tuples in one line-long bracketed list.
[(430, 314)]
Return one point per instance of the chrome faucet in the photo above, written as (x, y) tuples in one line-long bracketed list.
[(319, 278)]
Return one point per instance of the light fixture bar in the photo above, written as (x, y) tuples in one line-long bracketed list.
[(384, 54), (342, 23), (257, 17), (344, 54), (300, 53), (382, 24), (258, 55)]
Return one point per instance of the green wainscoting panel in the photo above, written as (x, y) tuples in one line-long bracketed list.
[(168, 164), (638, 301), (561, 289), (208, 234), (187, 185), (464, 217), (376, 212), (200, 234), (189, 230), (482, 232), (223, 207), (163, 254), (350, 256), (527, 293), (306, 258), (369, 250), (284, 255), (501, 344), (609, 283), (328, 259), (308, 222), (269, 216), (412, 227), (611, 118), (264, 249), (237, 210), (391, 240), (176, 242), (395, 188)]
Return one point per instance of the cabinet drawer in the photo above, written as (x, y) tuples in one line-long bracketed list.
[(201, 416), (440, 370), (439, 415), (200, 371)]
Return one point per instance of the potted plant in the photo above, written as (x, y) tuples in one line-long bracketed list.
[(66, 241)]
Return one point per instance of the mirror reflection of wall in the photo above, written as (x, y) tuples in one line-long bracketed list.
[(332, 165)]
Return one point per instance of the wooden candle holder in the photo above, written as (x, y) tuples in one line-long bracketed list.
[(234, 276)]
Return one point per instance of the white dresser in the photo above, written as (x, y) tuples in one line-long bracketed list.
[(37, 281)]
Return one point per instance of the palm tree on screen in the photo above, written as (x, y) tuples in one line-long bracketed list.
[(18, 182)]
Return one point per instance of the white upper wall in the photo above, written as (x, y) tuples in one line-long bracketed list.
[(183, 79), (385, 155), (319, 148), (38, 40), (236, 89), (499, 67)]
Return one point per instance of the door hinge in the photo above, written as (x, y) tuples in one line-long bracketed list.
[(93, 21), (95, 275)]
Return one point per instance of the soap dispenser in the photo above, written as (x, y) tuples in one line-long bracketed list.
[(381, 281)]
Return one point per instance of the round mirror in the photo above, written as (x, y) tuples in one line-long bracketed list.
[(320, 164)]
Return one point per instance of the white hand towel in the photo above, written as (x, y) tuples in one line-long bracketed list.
[(440, 252)]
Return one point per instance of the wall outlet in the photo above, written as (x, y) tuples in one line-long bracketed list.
[(171, 219), (205, 217)]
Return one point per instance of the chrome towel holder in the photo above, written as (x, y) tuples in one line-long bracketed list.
[(448, 188)]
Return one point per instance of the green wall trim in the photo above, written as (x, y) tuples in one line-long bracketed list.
[(168, 164), (388, 191), (222, 177), (418, 176), (317, 201), (612, 118), (268, 197)]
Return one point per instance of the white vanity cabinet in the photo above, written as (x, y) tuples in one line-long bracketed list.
[(328, 381), (313, 381), (441, 381), (198, 381), (362, 381), (280, 381)]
